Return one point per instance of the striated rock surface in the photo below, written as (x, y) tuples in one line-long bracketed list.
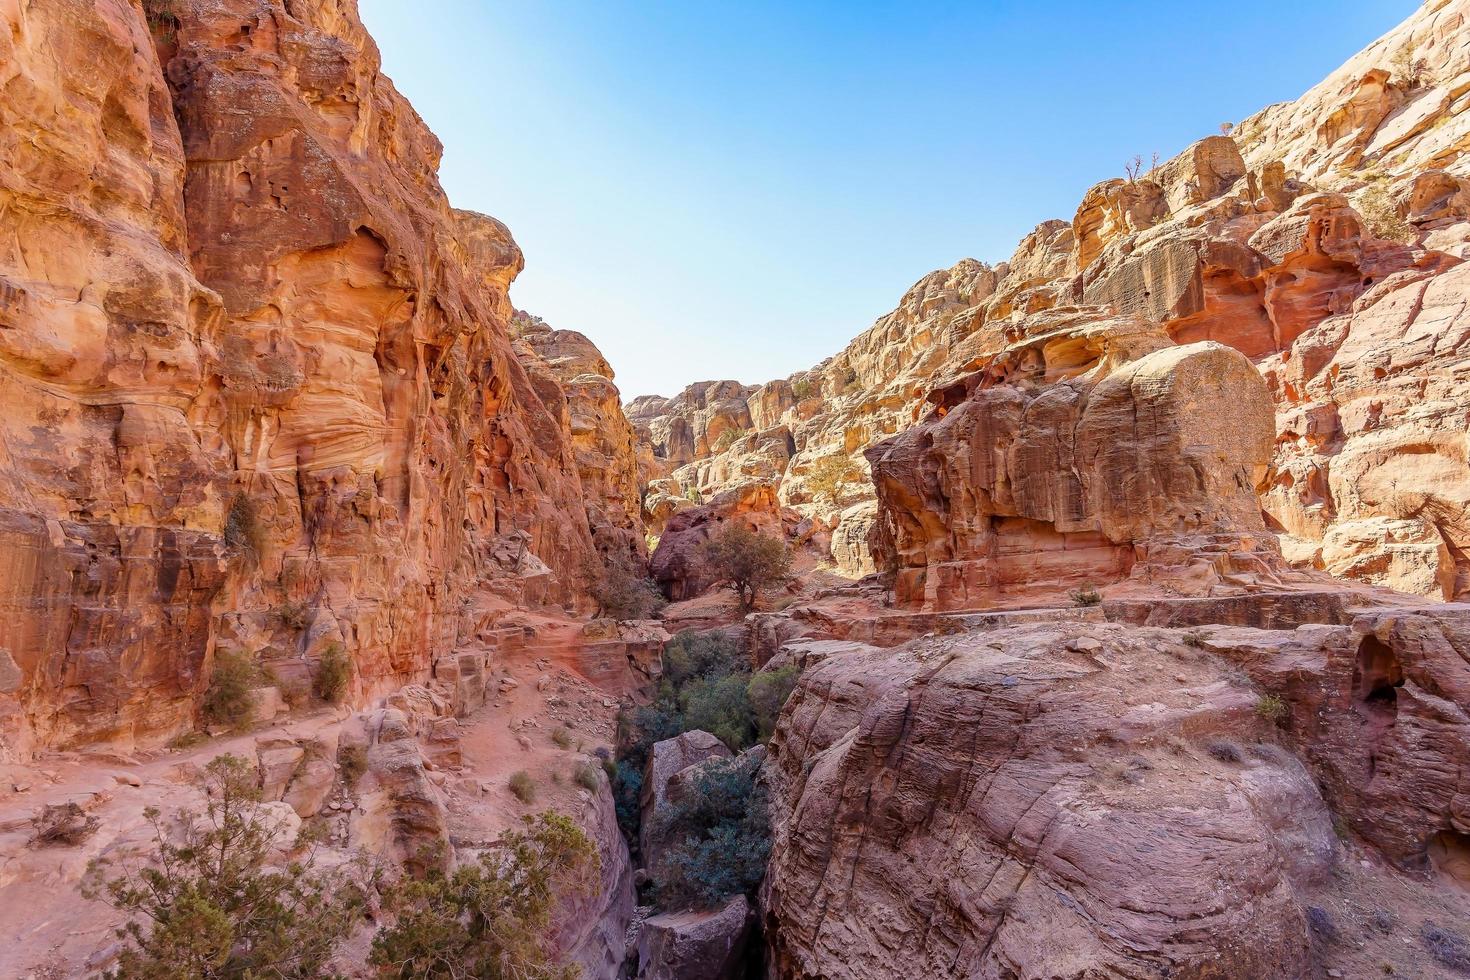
[(1066, 799), (262, 393)]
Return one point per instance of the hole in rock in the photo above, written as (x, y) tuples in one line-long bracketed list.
[(1449, 855), (1377, 679)]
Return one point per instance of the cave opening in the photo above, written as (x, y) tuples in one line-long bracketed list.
[(1377, 678), (1449, 855)]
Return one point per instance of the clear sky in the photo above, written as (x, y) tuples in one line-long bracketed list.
[(734, 190)]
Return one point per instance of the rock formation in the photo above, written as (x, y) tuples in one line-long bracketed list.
[(1072, 799), (262, 389), (1320, 238)]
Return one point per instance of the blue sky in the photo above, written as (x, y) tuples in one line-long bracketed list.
[(716, 190)]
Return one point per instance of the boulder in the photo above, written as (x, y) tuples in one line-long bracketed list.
[(696, 944)]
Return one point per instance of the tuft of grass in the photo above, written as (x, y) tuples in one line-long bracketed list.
[(586, 776), (562, 738), (1225, 750), (187, 740), (1449, 948), (1273, 709), (1195, 639), (522, 786), (1321, 922)]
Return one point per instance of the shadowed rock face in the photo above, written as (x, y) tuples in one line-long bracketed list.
[(259, 381)]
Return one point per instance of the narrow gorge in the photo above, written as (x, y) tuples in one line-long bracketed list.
[(1096, 613)]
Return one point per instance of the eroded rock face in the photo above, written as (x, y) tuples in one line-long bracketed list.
[(262, 392), (1065, 799), (1088, 447)]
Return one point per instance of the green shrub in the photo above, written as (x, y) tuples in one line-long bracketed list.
[(623, 590), (802, 389), (227, 700), (767, 694), (294, 615), (333, 674), (588, 776), (353, 761), (1375, 202), (747, 560), (723, 827), (522, 786), (1087, 596), (693, 654), (1273, 709), (491, 919), (726, 439), (720, 706), (208, 906)]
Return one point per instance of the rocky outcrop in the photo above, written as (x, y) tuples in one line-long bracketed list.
[(580, 389), (1122, 801), (1088, 450), (667, 760), (261, 389)]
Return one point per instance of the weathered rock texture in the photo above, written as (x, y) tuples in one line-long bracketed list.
[(260, 388), (1321, 238), (1077, 800), (1087, 449)]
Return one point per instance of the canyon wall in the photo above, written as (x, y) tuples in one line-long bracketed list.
[(1322, 239), (260, 383)]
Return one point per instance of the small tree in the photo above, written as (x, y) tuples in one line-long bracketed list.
[(333, 674), (727, 439), (227, 700), (747, 560), (491, 919), (830, 475), (209, 907)]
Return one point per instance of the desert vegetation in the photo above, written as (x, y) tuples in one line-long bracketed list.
[(231, 894), (749, 561)]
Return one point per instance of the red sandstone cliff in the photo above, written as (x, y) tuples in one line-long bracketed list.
[(260, 386)]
